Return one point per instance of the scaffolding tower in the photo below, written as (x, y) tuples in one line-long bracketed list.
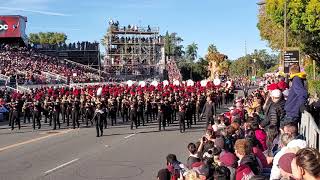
[(133, 52)]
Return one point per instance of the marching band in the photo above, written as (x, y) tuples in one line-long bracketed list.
[(187, 105)]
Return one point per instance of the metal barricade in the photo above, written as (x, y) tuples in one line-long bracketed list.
[(310, 130)]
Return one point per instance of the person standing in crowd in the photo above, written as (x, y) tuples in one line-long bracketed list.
[(298, 95), (275, 112), (208, 111)]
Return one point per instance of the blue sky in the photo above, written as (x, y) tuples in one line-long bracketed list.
[(226, 23)]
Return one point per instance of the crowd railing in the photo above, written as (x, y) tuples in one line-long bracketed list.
[(310, 130)]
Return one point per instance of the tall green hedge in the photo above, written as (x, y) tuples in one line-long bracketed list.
[(314, 87)]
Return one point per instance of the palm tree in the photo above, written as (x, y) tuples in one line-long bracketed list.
[(192, 54), (212, 48), (192, 51)]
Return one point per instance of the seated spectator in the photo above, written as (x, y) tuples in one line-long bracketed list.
[(292, 129), (284, 140), (229, 160), (285, 165), (256, 150), (193, 157), (164, 174), (306, 164), (260, 135), (273, 136), (248, 164), (222, 173), (175, 167), (192, 175)]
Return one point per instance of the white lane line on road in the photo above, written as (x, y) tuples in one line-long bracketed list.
[(32, 140), (129, 136), (61, 166)]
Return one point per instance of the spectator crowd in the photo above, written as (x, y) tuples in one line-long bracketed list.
[(27, 66), (257, 138)]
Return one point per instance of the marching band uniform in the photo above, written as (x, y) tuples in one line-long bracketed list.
[(15, 115), (148, 110), (99, 120), (50, 111), (69, 109), (193, 111), (75, 113), (87, 113), (36, 114), (161, 117), (125, 110), (82, 108), (63, 108), (46, 110), (140, 116), (56, 114), (133, 116), (181, 117), (26, 112), (154, 110), (188, 114), (113, 112)]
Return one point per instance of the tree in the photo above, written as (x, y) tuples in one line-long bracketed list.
[(172, 45), (192, 51), (51, 38), (212, 48), (303, 24), (191, 55), (259, 61)]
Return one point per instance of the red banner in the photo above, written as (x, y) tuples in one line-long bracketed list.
[(12, 26)]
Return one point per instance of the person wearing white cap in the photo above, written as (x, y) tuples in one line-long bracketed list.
[(275, 112)]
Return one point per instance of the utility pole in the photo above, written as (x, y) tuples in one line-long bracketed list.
[(245, 48), (285, 31)]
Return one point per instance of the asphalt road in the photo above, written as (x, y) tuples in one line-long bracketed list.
[(78, 154)]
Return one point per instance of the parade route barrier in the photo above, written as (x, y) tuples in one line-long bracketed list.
[(310, 130)]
